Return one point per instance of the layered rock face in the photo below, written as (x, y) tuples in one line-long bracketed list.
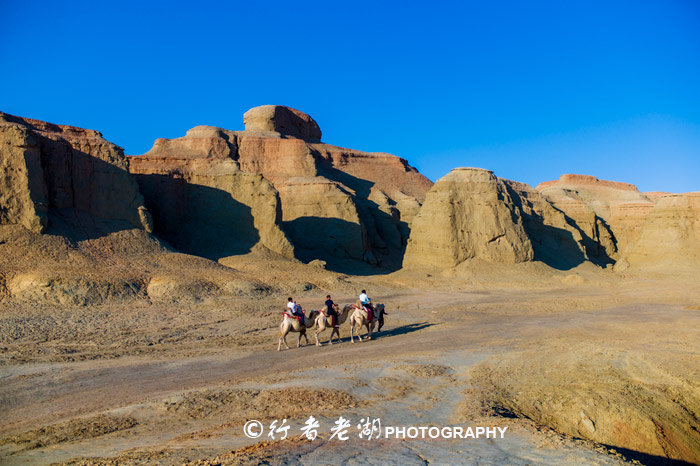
[(217, 193), (609, 214), (335, 202), (469, 213), (645, 230), (45, 166), (23, 194), (556, 240), (202, 202), (670, 235)]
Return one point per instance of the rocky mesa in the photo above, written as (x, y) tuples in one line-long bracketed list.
[(323, 201)]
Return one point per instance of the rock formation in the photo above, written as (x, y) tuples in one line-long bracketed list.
[(467, 214), (645, 230), (202, 202), (608, 213), (45, 166), (472, 214), (669, 238), (218, 193), (283, 121), (23, 195), (336, 203), (555, 238)]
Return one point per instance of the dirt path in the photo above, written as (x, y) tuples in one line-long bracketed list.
[(422, 327)]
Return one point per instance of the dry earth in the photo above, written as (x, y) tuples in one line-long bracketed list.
[(582, 366)]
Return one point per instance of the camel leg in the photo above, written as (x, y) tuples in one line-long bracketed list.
[(279, 344), (369, 332), (305, 337), (284, 339), (319, 329), (352, 329), (334, 331)]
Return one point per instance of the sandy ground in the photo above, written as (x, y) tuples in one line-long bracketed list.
[(576, 357)]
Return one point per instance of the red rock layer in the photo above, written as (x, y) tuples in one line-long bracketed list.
[(586, 180)]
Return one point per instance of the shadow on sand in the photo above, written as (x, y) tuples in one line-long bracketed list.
[(401, 330), (646, 458)]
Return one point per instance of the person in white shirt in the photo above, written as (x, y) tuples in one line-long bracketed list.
[(294, 308), (367, 304), (364, 299)]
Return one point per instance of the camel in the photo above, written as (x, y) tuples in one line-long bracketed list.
[(359, 318), (323, 320), (291, 324)]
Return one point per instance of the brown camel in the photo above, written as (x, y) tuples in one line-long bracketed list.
[(323, 321), (292, 324), (359, 319)]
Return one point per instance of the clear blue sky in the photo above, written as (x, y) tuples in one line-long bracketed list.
[(528, 89)]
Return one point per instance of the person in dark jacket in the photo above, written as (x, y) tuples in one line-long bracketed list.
[(330, 309)]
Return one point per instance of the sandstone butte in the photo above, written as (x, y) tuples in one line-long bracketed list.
[(472, 214), (642, 229), (275, 184)]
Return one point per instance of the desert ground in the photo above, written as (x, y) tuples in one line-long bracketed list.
[(558, 358)]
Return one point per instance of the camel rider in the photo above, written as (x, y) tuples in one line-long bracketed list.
[(295, 309), (332, 313), (367, 304)]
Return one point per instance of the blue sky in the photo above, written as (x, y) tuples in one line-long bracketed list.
[(530, 89)]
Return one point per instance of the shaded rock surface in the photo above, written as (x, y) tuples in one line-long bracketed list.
[(45, 166), (556, 239), (336, 204), (654, 230), (203, 203), (468, 214), (608, 213)]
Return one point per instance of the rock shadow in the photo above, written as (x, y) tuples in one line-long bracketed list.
[(552, 245), (198, 219), (333, 240), (324, 238), (384, 235), (76, 225)]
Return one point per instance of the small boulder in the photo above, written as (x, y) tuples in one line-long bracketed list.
[(318, 263)]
